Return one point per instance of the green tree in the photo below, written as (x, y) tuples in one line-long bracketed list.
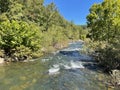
[(27, 25), (15, 34), (104, 19)]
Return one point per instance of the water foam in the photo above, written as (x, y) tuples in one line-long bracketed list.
[(75, 65), (54, 70)]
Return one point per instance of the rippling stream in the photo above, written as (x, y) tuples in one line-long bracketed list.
[(67, 69)]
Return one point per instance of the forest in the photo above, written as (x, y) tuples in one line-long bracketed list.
[(29, 29)]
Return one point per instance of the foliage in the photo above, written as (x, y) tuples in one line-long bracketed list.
[(20, 53), (109, 58), (104, 21), (4, 5), (16, 33), (28, 26)]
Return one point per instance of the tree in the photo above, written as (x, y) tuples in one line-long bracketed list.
[(19, 33), (27, 25), (104, 20), (48, 16)]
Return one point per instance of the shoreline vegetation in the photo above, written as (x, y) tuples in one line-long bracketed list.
[(29, 29), (44, 51), (113, 74), (104, 23)]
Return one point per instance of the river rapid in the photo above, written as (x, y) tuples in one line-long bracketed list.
[(67, 69)]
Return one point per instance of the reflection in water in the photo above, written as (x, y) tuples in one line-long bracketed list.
[(56, 71)]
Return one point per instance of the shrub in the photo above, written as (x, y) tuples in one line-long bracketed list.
[(108, 57), (16, 36)]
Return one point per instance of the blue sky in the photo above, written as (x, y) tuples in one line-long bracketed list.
[(74, 10)]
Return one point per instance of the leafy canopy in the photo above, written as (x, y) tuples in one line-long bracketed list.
[(104, 21)]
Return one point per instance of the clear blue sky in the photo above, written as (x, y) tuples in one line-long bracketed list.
[(74, 10)]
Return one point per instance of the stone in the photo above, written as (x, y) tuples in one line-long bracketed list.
[(1, 60)]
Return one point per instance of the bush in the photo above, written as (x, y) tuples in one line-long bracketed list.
[(19, 37), (21, 53), (108, 57)]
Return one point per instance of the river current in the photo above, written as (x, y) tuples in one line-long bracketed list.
[(67, 69)]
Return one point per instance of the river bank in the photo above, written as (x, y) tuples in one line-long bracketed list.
[(44, 50), (105, 59)]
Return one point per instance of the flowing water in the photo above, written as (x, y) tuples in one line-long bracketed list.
[(67, 69)]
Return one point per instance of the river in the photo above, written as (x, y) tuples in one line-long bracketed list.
[(67, 69)]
